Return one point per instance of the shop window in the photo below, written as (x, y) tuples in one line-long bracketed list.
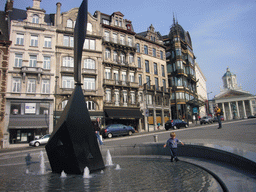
[(15, 108), (44, 108)]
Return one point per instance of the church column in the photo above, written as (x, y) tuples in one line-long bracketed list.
[(230, 112), (237, 108), (250, 105), (244, 110), (223, 109)]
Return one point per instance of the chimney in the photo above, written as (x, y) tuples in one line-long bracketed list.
[(58, 13), (8, 5)]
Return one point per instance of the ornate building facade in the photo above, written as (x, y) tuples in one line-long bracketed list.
[(181, 73)]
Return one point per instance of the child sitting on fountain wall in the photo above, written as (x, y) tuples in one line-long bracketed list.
[(172, 142)]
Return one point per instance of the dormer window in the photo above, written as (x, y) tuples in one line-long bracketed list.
[(69, 23), (35, 19)]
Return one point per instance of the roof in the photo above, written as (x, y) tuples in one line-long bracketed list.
[(232, 94), (228, 73)]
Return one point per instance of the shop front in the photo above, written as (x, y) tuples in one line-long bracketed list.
[(126, 116)]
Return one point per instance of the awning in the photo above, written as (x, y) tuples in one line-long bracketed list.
[(28, 123), (123, 113), (196, 102)]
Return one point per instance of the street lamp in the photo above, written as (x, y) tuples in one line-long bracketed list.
[(55, 96), (208, 109), (147, 110)]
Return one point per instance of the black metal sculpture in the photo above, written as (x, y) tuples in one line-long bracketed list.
[(73, 144)]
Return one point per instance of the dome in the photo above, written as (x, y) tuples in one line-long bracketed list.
[(228, 73)]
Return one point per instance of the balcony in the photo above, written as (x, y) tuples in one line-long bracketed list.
[(31, 70), (86, 71), (119, 43), (120, 83), (67, 69)]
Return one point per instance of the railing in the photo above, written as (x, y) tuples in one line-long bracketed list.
[(25, 69), (118, 41), (89, 71), (67, 69)]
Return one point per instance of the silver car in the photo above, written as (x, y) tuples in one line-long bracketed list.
[(42, 141)]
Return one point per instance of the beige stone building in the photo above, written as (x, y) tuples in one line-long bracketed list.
[(29, 95), (153, 77)]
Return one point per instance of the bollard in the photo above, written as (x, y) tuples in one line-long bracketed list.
[(155, 138)]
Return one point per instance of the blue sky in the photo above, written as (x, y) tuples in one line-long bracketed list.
[(222, 32)]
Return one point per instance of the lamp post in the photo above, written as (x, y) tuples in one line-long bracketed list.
[(208, 109), (147, 110), (55, 96)]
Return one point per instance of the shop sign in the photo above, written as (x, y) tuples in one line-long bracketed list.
[(30, 108)]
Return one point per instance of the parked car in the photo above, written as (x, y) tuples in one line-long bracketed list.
[(175, 124), (117, 130), (251, 116), (206, 119), (42, 141)]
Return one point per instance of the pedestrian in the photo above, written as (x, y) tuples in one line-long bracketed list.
[(158, 126), (218, 113), (97, 132), (172, 142), (28, 160)]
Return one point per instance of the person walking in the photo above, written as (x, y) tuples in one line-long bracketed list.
[(172, 142), (218, 114), (97, 132)]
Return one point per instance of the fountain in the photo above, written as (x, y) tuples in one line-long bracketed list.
[(109, 159), (63, 174), (42, 163), (86, 173), (118, 167)]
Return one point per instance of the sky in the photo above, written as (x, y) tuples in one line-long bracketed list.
[(222, 32)]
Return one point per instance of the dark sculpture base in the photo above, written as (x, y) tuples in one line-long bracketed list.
[(73, 144)]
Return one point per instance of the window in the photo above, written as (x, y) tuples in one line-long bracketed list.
[(131, 60), (106, 22), (67, 82), (116, 75), (48, 42), (69, 23), (147, 66), (120, 22), (107, 74), (116, 21), (178, 52), (108, 95), (107, 53), (164, 84), (68, 41), (18, 60), (138, 47), (89, 44), (115, 37), (115, 56), (122, 58), (155, 69), (148, 80), (68, 62), (156, 83), (132, 98), (125, 98), (15, 108), (163, 71), (124, 76), (154, 52), (117, 99), (130, 41), (46, 86), (146, 49), (89, 83), (161, 55), (20, 39), (179, 65), (140, 79), (35, 19), (106, 33), (139, 62), (89, 64), (64, 103), (122, 41), (32, 61), (34, 41), (47, 62), (132, 77), (31, 86), (91, 106), (149, 99), (89, 27), (16, 85)]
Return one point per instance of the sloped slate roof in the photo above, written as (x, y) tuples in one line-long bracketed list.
[(4, 36)]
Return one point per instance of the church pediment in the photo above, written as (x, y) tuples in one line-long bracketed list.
[(232, 94)]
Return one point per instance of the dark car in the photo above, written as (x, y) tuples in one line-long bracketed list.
[(206, 119), (175, 124), (251, 116), (117, 130)]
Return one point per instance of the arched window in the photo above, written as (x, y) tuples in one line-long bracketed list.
[(69, 23), (35, 19), (68, 62), (89, 27), (89, 64)]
